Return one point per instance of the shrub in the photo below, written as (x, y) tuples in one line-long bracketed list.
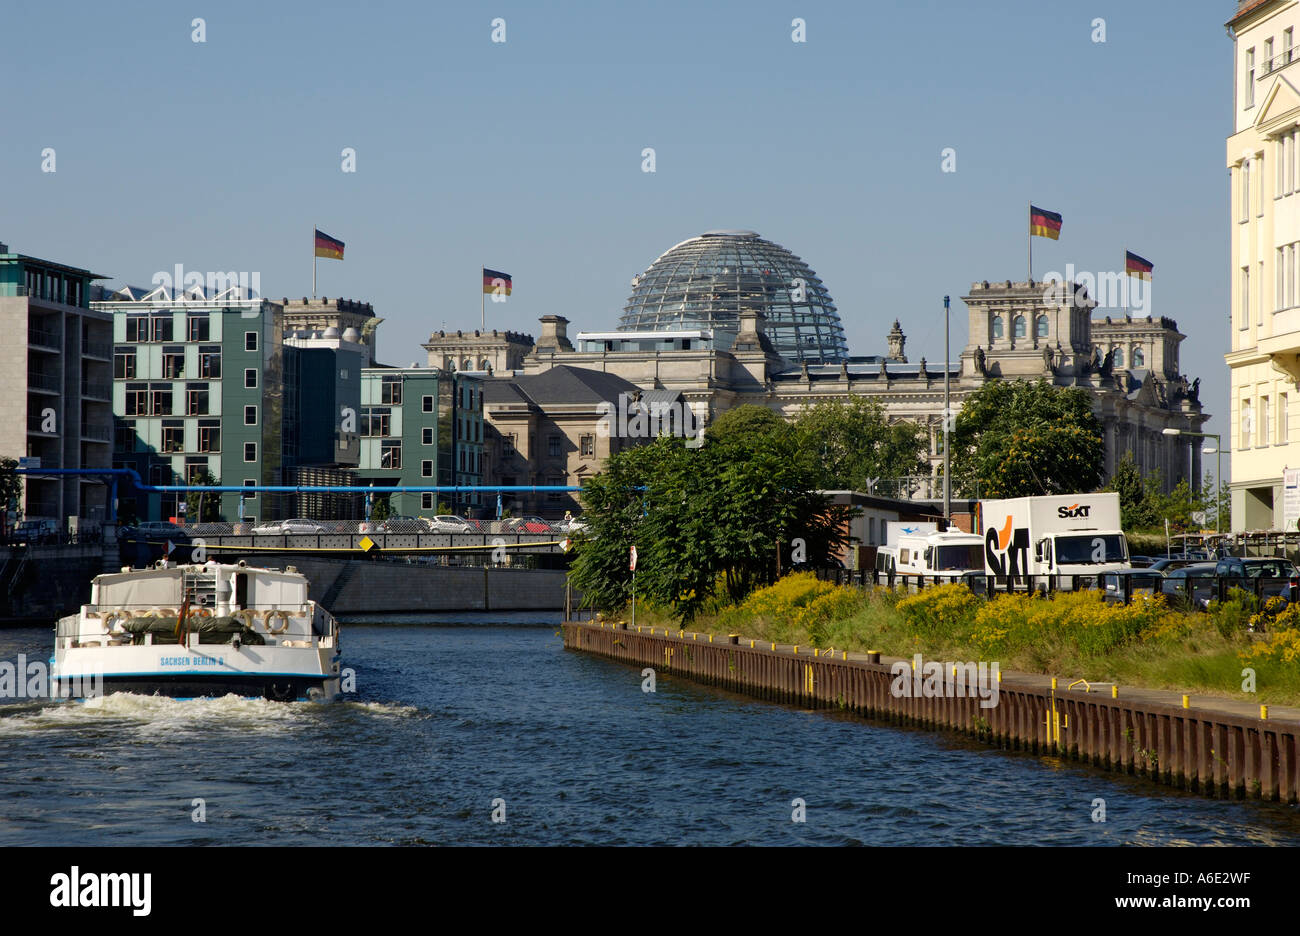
[(946, 610)]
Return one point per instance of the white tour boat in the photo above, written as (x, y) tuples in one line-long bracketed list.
[(188, 631)]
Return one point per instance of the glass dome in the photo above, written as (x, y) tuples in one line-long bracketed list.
[(707, 281)]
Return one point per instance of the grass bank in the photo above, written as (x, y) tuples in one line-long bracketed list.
[(1071, 635)]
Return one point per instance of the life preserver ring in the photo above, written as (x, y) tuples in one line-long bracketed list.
[(164, 612), (111, 618), (248, 617), (200, 613), (283, 616)]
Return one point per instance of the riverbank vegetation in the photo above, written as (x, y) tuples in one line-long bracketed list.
[(1072, 635)]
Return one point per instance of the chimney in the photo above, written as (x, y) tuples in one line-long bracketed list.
[(554, 335)]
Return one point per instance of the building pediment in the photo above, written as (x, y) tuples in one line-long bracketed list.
[(1282, 101)]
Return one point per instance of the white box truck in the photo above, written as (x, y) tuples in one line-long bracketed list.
[(945, 556), (1057, 535)]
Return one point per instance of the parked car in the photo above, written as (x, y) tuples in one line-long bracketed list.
[(1192, 586), (403, 524), (155, 531), (1176, 562), (976, 581), (449, 523), (1281, 577), (526, 525), (571, 525), (292, 527), (35, 532), (1141, 562), (1137, 582)]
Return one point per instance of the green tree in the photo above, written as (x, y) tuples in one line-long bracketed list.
[(1017, 438), (707, 522), (747, 422), (11, 485), (201, 506), (855, 442), (1136, 510), (381, 509)]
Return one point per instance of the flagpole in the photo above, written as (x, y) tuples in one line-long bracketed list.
[(482, 301), (1128, 282), (313, 262), (1031, 242)]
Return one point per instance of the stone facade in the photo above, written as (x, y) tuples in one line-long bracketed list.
[(1026, 330)]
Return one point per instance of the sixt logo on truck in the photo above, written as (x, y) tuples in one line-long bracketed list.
[(1007, 549), (1074, 510)]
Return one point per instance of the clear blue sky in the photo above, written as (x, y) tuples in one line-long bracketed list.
[(526, 156)]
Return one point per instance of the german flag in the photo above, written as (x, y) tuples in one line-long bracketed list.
[(329, 247), (1135, 265), (494, 279), (1044, 223)]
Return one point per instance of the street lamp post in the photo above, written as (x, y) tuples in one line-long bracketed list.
[(947, 416), (1218, 469)]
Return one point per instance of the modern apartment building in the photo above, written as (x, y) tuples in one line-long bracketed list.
[(202, 387), (423, 426), (56, 363)]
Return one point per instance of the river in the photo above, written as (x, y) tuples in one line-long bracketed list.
[(451, 724)]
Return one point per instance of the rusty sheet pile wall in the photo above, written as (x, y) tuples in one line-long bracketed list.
[(1149, 733)]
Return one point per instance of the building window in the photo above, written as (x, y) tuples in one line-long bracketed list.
[(173, 437), (210, 362), (1018, 327), (1247, 421), (250, 415), (137, 328), (375, 421), (555, 481), (1288, 288), (250, 452), (1279, 279), (390, 391), (1286, 46), (1283, 418), (1265, 426), (1268, 55), (1250, 78), (390, 453), (196, 400), (250, 378), (1244, 172), (160, 401), (137, 400), (426, 501), (162, 327), (124, 435), (173, 362), (1245, 297), (1139, 359), (210, 436), (200, 329), (250, 341), (426, 435), (124, 363), (508, 445), (1117, 359), (588, 446), (426, 468), (553, 446), (997, 326), (426, 403), (1040, 326)]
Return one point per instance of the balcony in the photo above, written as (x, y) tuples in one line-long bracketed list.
[(1283, 346), (41, 338), (100, 350), (97, 390), (45, 383), (34, 424)]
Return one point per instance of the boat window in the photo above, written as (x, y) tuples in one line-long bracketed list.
[(241, 590)]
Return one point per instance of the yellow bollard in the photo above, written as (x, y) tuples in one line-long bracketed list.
[(796, 649), (710, 638), (1187, 702), (751, 645), (1263, 711), (773, 648), (999, 674), (846, 654), (1053, 682), (1114, 692)]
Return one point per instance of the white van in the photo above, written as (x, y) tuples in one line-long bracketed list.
[(946, 556)]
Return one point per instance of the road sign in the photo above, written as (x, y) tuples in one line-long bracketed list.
[(631, 565)]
